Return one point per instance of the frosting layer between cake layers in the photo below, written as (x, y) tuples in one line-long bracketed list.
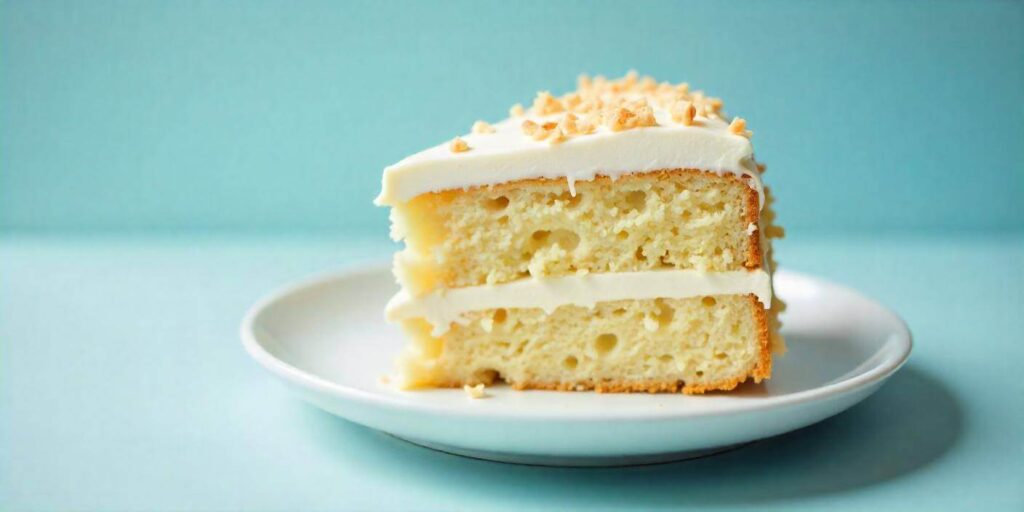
[(444, 306), (508, 155)]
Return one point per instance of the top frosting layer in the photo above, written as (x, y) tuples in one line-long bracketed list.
[(607, 128)]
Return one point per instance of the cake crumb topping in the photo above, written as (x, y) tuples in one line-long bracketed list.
[(475, 392), (683, 112), (483, 127), (568, 123), (557, 136), (739, 127), (554, 132), (530, 128), (621, 104), (546, 104), (457, 145)]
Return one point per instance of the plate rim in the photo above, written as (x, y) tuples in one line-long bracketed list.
[(296, 376)]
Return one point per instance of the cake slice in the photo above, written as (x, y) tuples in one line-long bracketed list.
[(616, 238)]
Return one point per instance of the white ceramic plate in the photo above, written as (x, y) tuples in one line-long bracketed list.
[(327, 339)]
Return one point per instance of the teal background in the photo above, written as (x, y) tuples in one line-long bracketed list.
[(279, 116), (164, 164)]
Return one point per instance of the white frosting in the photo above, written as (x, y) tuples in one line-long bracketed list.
[(508, 155), (442, 307)]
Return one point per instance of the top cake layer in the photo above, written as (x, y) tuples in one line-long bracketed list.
[(604, 128)]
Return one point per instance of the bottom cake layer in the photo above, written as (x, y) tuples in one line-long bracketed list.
[(691, 345)]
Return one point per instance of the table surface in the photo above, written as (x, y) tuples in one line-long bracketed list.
[(123, 385)]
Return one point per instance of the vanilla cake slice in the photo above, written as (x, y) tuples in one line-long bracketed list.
[(616, 238)]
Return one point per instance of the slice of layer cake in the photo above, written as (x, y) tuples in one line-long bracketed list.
[(615, 238)]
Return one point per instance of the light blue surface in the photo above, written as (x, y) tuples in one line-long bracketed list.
[(125, 387), (280, 115)]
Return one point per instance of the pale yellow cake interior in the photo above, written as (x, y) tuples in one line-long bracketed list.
[(630, 345), (651, 221)]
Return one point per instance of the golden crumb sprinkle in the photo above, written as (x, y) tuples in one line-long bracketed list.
[(457, 145), (619, 119), (516, 111), (571, 101), (568, 124), (475, 392), (557, 136), (529, 128), (632, 115), (585, 127), (683, 112), (715, 104), (482, 127), (761, 168), (645, 116), (536, 131), (648, 84), (739, 127), (545, 104), (620, 104)]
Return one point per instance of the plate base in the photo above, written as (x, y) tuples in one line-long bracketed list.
[(327, 339), (573, 461)]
